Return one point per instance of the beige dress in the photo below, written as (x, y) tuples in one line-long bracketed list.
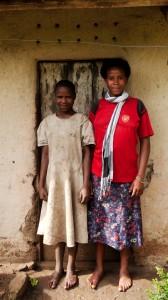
[(63, 218)]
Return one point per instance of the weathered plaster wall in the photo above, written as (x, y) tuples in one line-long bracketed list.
[(124, 27), (17, 145)]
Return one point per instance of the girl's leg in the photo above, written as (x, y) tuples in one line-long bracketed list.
[(95, 278), (125, 280), (59, 271), (71, 278)]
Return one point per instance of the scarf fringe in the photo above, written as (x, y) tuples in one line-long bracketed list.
[(104, 187)]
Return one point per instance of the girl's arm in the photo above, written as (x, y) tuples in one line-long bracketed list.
[(85, 191), (137, 185), (43, 173)]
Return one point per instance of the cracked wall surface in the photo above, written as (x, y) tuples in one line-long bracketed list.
[(146, 30)]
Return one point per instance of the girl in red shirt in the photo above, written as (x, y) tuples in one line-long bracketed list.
[(120, 123)]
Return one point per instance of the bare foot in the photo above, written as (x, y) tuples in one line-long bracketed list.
[(56, 277), (71, 280), (95, 278), (125, 282)]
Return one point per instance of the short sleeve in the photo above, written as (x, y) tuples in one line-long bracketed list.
[(145, 128), (87, 133), (42, 134)]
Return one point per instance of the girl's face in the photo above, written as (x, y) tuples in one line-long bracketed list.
[(116, 81), (64, 99)]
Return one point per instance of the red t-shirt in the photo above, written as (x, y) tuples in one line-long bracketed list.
[(133, 124)]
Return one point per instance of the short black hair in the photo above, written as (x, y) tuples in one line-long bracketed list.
[(67, 84), (116, 62)]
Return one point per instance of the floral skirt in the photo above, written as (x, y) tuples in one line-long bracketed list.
[(115, 220)]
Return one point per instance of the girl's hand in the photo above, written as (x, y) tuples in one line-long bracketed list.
[(84, 195), (43, 193), (136, 188)]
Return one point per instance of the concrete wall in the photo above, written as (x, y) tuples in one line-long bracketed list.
[(132, 33)]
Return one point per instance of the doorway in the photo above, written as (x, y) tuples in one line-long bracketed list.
[(89, 88)]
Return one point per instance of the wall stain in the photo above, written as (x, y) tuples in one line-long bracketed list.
[(29, 227), (149, 173), (29, 175)]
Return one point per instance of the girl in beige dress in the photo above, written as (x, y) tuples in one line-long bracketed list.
[(64, 180)]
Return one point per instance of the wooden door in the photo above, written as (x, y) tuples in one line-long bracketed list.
[(89, 88)]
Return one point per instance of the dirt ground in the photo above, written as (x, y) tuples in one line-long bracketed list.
[(6, 275), (107, 289)]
